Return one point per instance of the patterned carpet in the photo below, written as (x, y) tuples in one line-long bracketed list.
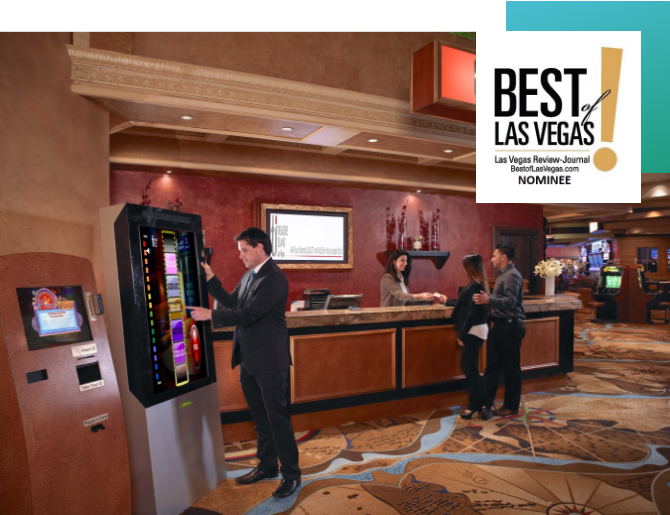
[(599, 446)]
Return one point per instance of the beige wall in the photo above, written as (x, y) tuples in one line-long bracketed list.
[(54, 151)]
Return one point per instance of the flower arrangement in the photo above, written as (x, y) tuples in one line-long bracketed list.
[(549, 268)]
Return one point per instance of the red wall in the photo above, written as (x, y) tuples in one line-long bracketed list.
[(226, 207)]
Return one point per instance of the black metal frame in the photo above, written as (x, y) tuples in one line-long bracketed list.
[(133, 300)]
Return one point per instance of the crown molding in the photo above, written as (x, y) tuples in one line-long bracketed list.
[(112, 75)]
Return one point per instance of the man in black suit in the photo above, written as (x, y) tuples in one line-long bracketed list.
[(256, 307)]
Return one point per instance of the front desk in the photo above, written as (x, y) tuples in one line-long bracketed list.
[(405, 359)]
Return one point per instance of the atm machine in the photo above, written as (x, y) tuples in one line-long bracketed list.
[(62, 437), (164, 361)]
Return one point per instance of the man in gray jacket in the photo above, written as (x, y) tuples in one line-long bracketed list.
[(503, 350)]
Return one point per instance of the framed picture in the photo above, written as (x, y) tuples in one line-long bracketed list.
[(309, 237)]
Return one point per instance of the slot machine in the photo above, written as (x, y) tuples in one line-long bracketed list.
[(644, 296), (612, 290), (164, 361), (62, 434)]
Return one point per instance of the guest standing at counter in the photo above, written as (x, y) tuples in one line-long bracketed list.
[(470, 321), (395, 283), (504, 343), (256, 308)]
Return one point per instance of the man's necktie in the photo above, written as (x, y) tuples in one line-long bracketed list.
[(251, 278)]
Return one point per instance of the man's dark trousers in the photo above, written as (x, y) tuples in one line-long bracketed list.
[(266, 396), (503, 354)]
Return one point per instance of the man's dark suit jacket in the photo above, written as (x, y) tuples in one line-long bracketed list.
[(260, 341), (466, 313)]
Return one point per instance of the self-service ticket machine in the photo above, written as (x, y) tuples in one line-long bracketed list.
[(62, 436), (164, 361)]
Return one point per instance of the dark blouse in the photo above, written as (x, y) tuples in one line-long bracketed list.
[(466, 313)]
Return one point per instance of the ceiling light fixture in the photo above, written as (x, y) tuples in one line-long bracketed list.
[(187, 117), (169, 171), (287, 129), (373, 140), (418, 191), (448, 151)]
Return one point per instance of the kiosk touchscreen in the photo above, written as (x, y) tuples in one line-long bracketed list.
[(164, 361), (53, 315), (171, 283)]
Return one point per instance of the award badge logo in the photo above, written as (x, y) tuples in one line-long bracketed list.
[(555, 110)]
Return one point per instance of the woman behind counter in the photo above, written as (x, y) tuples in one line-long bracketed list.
[(395, 285), (470, 321)]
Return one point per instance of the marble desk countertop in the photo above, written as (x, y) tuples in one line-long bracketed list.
[(320, 318)]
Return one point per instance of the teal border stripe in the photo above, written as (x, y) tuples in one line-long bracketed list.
[(651, 18)]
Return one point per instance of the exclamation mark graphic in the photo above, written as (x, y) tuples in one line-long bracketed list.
[(605, 158)]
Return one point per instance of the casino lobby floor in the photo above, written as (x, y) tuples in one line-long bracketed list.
[(601, 445)]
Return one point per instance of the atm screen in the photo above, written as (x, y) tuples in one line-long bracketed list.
[(53, 316), (170, 284), (613, 281)]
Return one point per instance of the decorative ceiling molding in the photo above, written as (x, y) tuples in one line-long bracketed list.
[(112, 75)]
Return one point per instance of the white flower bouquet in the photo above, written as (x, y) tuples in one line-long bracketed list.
[(549, 268)]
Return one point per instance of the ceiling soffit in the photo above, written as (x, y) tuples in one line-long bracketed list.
[(122, 77)]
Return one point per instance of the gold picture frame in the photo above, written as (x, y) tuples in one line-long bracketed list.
[(261, 217)]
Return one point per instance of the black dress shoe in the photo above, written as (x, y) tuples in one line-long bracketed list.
[(468, 416), (255, 476), (504, 412), (287, 487), (486, 414)]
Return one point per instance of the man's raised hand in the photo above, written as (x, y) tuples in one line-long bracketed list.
[(208, 271)]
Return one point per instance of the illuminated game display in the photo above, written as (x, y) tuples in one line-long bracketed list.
[(53, 315), (171, 283), (613, 281)]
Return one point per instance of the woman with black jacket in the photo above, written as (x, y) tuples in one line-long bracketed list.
[(471, 324)]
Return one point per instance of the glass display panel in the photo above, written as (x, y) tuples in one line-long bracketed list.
[(53, 316), (648, 258), (171, 283), (613, 281)]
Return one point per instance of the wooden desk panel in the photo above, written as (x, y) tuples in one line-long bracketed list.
[(539, 348), (432, 355), (355, 363), (231, 397)]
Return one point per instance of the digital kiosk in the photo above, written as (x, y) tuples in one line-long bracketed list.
[(62, 436), (164, 361)]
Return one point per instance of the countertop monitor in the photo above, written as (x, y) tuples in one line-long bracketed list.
[(342, 301)]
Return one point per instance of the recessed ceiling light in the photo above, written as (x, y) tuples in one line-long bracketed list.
[(418, 191), (287, 129), (373, 140), (169, 171), (187, 117), (448, 151)]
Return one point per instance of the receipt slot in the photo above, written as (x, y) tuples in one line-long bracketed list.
[(56, 377), (164, 361)]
